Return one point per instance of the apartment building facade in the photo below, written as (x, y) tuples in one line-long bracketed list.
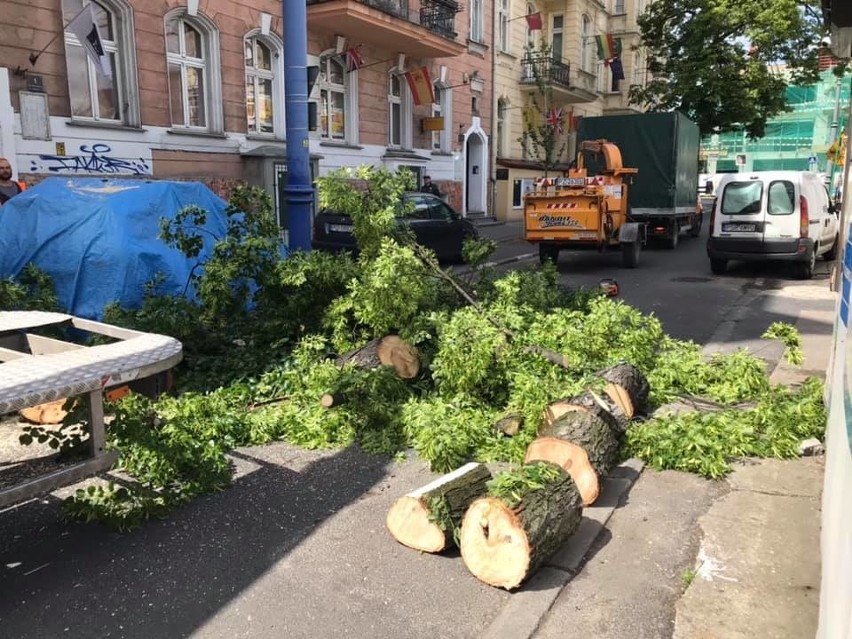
[(581, 84), (194, 89)]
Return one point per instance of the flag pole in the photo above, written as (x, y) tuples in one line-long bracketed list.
[(35, 56)]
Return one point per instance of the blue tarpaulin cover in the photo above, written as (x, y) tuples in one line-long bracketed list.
[(98, 239)]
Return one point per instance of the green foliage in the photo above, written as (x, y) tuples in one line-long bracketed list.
[(541, 140), (512, 486), (706, 443), (716, 60), (788, 334), (32, 290)]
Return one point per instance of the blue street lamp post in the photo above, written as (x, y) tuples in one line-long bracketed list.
[(298, 191)]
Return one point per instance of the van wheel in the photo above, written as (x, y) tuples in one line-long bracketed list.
[(630, 253), (546, 252), (718, 266), (805, 270), (831, 254)]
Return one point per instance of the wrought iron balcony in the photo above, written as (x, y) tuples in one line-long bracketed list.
[(545, 67), (418, 28)]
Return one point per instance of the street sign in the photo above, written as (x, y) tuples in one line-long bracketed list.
[(741, 159)]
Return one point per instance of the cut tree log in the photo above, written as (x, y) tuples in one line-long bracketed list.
[(572, 459), (47, 413), (390, 350), (628, 387), (503, 545), (510, 425), (598, 404), (413, 521), (583, 445)]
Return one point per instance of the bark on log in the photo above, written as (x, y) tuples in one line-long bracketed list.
[(510, 425), (411, 521), (573, 459), (627, 387), (598, 404), (502, 545), (590, 433), (389, 350)]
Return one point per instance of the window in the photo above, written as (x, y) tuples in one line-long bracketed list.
[(587, 42), (93, 95), (519, 188), (437, 112), (619, 6), (638, 72), (503, 21), (782, 198), (531, 35), (476, 20), (501, 128), (332, 99), (261, 84), (192, 48), (742, 198), (395, 111), (556, 35)]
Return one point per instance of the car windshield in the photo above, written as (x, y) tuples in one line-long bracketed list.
[(742, 198)]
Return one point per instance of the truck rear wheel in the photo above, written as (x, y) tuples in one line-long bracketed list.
[(630, 253), (695, 230), (674, 238), (547, 252)]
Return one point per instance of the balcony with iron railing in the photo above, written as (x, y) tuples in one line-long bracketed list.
[(420, 28), (544, 67)]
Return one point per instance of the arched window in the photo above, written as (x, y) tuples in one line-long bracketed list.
[(263, 85), (332, 87), (586, 43), (103, 93), (192, 53)]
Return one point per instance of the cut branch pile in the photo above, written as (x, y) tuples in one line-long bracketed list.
[(390, 350)]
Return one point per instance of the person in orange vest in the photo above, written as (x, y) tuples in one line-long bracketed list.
[(8, 187)]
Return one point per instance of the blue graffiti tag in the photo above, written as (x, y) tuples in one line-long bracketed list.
[(93, 159)]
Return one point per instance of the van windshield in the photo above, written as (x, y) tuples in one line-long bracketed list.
[(782, 198), (742, 198)]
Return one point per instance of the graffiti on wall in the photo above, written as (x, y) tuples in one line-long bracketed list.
[(94, 159)]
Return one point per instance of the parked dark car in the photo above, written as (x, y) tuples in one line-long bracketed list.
[(435, 225)]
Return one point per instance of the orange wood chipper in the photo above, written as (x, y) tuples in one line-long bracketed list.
[(582, 210)]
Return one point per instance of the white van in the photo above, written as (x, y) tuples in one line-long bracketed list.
[(772, 215)]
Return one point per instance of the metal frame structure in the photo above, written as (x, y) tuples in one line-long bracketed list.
[(35, 369)]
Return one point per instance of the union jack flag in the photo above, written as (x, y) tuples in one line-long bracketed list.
[(554, 120), (354, 61)]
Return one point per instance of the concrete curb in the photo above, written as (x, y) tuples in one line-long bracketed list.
[(515, 258), (522, 615)]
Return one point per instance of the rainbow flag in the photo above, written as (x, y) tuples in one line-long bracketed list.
[(609, 47), (421, 86)]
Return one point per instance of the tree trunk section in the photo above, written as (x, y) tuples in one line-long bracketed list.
[(503, 546), (598, 404), (572, 459), (510, 425), (411, 519), (389, 350), (589, 433), (47, 413), (628, 388)]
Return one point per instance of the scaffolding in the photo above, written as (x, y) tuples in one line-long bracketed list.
[(797, 139)]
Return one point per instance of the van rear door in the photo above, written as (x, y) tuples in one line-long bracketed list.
[(782, 213), (740, 220)]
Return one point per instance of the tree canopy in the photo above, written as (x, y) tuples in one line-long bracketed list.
[(727, 63)]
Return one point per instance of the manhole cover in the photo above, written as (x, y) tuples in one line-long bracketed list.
[(692, 279)]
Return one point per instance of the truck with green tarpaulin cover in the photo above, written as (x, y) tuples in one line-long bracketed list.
[(664, 148)]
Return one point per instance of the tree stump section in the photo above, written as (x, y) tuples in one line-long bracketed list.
[(412, 521), (510, 425), (598, 404), (47, 413), (504, 545), (389, 350), (583, 445), (628, 388)]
